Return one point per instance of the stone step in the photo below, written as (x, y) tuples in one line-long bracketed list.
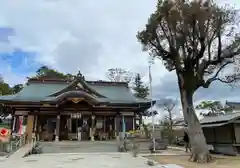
[(21, 152)]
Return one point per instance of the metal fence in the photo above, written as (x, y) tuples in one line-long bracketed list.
[(16, 142)]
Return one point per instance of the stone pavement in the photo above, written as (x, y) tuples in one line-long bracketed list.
[(21, 152), (179, 148), (66, 154), (89, 160), (2, 159), (79, 147)]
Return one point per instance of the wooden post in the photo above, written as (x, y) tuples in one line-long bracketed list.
[(34, 126), (115, 126), (38, 128), (57, 128), (17, 124), (70, 124), (134, 121), (104, 124), (12, 123), (123, 128), (30, 120), (79, 129), (140, 119), (117, 123), (92, 128)]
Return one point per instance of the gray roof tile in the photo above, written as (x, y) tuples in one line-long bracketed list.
[(220, 118), (214, 125), (39, 90), (232, 103), (7, 97), (42, 91), (115, 92)]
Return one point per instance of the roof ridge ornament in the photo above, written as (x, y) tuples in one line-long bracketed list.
[(80, 76)]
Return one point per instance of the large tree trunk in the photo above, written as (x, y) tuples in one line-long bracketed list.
[(199, 152)]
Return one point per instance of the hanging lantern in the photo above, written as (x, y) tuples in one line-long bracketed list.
[(4, 135), (3, 132)]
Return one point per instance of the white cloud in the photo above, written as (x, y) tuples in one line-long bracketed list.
[(81, 35), (9, 76), (90, 36)]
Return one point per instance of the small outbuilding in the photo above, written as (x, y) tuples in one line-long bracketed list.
[(223, 133)]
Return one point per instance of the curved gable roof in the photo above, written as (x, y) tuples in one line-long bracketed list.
[(73, 94), (83, 87)]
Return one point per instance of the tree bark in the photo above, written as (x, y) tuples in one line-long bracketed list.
[(199, 148)]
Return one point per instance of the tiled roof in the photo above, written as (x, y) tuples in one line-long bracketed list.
[(232, 103), (220, 118), (116, 93), (40, 90)]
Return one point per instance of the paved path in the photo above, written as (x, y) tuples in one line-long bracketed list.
[(21, 152), (79, 147), (97, 160), (79, 154), (64, 154), (2, 159), (113, 160)]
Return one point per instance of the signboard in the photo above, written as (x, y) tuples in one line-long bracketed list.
[(99, 124), (76, 115)]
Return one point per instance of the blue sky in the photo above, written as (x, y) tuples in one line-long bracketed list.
[(20, 62), (5, 33)]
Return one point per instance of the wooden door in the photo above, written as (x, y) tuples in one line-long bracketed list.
[(237, 132)]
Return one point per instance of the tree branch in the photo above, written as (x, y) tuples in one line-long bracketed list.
[(173, 54), (215, 77)]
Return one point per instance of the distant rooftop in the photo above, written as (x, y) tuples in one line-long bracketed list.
[(233, 104), (220, 118)]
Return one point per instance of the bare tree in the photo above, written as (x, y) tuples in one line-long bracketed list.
[(120, 75), (168, 107), (197, 39)]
